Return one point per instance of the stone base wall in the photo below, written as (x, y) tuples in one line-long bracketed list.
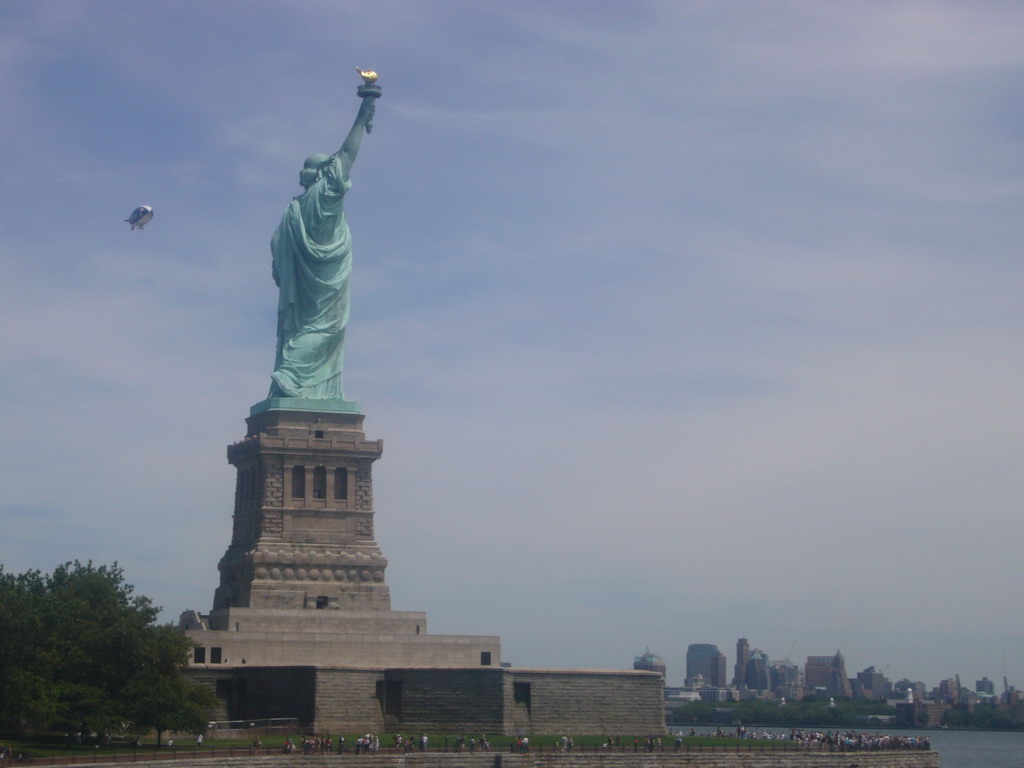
[(258, 693), (472, 700), (448, 700), (209, 679), (347, 701), (594, 702)]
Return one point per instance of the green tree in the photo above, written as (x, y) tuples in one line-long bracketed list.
[(756, 711), (81, 649), (166, 703), (956, 717), (695, 712), (993, 718), (27, 691)]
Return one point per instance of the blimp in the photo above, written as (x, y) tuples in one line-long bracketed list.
[(140, 217)]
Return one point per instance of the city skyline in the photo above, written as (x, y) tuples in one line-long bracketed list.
[(676, 319), (673, 669)]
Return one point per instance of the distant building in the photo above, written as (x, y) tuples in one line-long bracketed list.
[(718, 667), (707, 662), (742, 657), (818, 672), (969, 699), (828, 673), (870, 684), (675, 697), (915, 713), (715, 694), (916, 688), (757, 671), (649, 663), (985, 686), (1011, 697), (786, 680), (948, 691)]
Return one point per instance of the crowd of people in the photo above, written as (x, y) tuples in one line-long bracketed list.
[(859, 740), (7, 753), (842, 740), (472, 744), (369, 744)]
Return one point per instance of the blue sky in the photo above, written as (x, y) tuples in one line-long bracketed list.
[(681, 321)]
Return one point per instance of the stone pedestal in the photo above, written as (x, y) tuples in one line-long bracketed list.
[(303, 580), (303, 520)]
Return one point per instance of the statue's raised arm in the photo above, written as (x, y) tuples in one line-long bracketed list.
[(312, 261), (350, 148)]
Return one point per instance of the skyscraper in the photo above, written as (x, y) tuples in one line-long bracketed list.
[(786, 680), (649, 662), (828, 672), (872, 684), (718, 678), (701, 660), (840, 682), (818, 672), (757, 671), (742, 657)]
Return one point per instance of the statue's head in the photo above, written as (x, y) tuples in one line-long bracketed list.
[(311, 168)]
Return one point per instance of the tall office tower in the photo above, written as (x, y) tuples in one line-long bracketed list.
[(718, 666), (785, 680), (757, 671), (840, 682), (985, 686), (700, 658), (818, 672), (742, 657), (872, 684), (649, 663), (949, 691), (828, 672)]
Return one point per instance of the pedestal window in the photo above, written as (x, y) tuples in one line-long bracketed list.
[(298, 482), (340, 484)]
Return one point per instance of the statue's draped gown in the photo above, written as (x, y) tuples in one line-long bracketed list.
[(312, 252)]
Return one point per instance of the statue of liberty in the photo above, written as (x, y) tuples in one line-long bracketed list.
[(312, 261)]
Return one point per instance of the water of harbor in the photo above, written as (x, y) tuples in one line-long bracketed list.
[(978, 749)]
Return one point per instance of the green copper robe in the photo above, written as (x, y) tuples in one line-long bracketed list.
[(312, 253)]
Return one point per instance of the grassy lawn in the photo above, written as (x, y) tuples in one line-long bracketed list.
[(61, 745)]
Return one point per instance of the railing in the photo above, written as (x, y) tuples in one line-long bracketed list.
[(237, 725)]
